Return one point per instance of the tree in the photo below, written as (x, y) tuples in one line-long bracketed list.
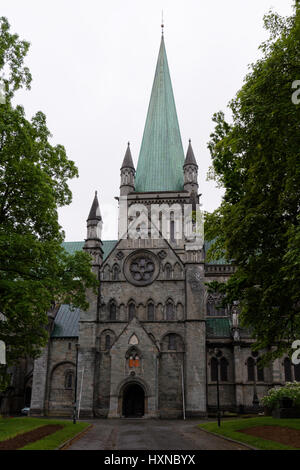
[(35, 271), (256, 159)]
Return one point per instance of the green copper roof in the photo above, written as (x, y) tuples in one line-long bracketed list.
[(218, 327), (107, 246), (161, 159)]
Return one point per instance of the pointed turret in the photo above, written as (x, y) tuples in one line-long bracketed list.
[(127, 173), (190, 169), (161, 156), (93, 243)]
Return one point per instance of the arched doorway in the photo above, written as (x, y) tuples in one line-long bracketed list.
[(133, 401)]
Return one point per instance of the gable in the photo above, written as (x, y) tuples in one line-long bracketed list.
[(134, 335)]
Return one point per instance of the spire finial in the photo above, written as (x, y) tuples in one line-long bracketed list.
[(162, 22), (128, 144), (190, 141), (95, 193)]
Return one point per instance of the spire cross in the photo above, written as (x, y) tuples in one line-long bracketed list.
[(162, 23)]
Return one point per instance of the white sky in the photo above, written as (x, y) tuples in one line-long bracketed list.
[(93, 65)]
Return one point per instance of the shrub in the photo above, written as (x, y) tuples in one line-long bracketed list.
[(289, 390)]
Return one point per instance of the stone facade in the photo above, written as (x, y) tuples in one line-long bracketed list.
[(153, 341)]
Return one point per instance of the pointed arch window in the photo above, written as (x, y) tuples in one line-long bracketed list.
[(214, 369), (213, 306), (115, 274), (69, 380), (168, 270), (291, 371), (112, 311), (224, 369), (251, 369), (172, 342), (170, 315), (160, 222), (172, 227), (131, 311), (150, 311), (287, 370), (297, 372), (260, 372), (107, 342), (133, 358)]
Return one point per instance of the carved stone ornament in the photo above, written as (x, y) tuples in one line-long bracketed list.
[(134, 339), (120, 255), (141, 268), (194, 278), (162, 254)]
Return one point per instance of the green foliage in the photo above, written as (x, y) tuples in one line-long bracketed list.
[(35, 271), (289, 390), (11, 427), (232, 428), (257, 160)]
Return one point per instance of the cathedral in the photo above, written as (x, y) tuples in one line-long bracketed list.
[(155, 341)]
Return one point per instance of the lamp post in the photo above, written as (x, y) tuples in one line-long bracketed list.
[(218, 354), (75, 385)]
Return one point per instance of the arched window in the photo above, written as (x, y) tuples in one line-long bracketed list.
[(115, 275), (287, 370), (172, 342), (260, 372), (160, 222), (172, 227), (106, 273), (150, 311), (214, 369), (168, 271), (170, 311), (297, 372), (213, 306), (251, 371), (107, 342), (133, 359), (131, 311), (224, 369), (112, 311), (69, 380)]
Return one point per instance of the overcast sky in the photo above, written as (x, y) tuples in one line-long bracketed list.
[(93, 65)]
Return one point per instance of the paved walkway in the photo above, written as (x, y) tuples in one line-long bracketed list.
[(139, 434)]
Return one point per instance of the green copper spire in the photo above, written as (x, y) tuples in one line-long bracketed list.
[(161, 156)]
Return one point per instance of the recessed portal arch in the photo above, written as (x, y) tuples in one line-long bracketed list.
[(133, 401)]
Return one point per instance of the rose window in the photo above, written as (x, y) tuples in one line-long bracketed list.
[(142, 269)]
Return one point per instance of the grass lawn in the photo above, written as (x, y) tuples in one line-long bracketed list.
[(10, 427), (230, 429)]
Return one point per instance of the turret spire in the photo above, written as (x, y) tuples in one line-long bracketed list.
[(95, 210), (190, 169), (127, 173), (93, 243), (190, 157), (127, 162)]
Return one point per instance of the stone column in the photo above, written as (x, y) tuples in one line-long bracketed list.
[(85, 382), (195, 339), (39, 383), (238, 375)]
